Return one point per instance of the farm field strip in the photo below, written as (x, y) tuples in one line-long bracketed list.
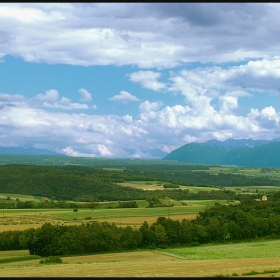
[(103, 213)]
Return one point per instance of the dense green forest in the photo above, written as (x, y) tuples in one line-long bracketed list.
[(248, 220), (87, 183)]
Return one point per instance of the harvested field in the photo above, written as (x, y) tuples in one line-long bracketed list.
[(23, 222)]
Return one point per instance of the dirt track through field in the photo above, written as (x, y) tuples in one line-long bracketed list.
[(140, 264)]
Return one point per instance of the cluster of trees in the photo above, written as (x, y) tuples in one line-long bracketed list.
[(219, 223), (55, 240)]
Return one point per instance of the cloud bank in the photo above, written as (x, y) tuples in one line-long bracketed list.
[(217, 57)]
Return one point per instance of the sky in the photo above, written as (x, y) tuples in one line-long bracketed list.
[(137, 80)]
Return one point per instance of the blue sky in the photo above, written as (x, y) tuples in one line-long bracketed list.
[(137, 80)]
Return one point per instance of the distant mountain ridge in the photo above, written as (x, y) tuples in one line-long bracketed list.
[(26, 151), (243, 152)]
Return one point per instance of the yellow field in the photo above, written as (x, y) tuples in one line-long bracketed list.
[(25, 222)]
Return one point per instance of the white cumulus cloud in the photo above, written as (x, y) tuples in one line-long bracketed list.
[(124, 97)]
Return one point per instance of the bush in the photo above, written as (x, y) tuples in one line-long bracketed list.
[(51, 259)]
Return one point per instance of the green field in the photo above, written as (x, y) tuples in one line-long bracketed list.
[(256, 249)]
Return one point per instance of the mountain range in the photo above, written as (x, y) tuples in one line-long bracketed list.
[(243, 152)]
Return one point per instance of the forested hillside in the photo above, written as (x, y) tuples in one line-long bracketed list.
[(85, 183)]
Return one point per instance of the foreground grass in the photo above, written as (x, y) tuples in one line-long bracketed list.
[(258, 258)]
